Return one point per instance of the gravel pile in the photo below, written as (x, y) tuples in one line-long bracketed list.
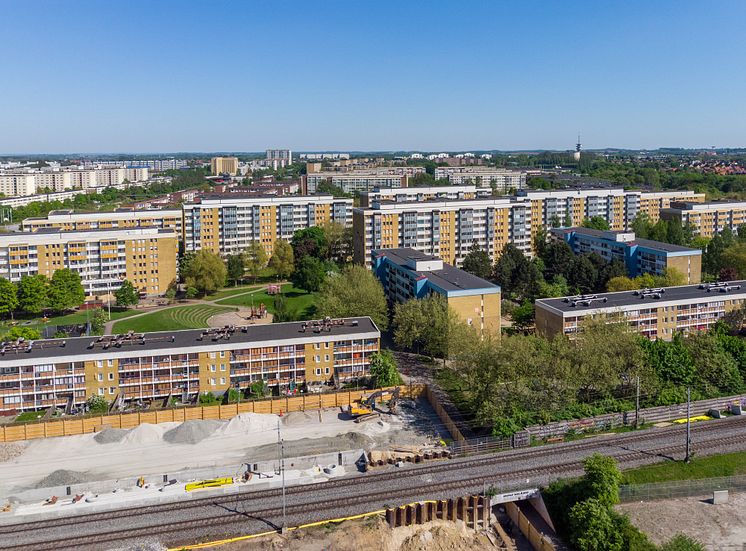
[(312, 446), (296, 418), (110, 436), (61, 477), (192, 431), (9, 450)]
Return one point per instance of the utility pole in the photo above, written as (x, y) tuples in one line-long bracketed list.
[(281, 450), (688, 424), (637, 405)]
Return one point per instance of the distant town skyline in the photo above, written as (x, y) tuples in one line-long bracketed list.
[(387, 76)]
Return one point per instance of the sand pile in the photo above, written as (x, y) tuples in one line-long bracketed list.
[(110, 436), (144, 434), (61, 477), (9, 450), (248, 423), (297, 418), (192, 431)]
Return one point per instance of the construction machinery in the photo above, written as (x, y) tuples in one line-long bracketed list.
[(368, 405)]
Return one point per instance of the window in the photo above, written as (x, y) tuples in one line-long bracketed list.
[(222, 367), (112, 390), (222, 380), (316, 346), (212, 382), (326, 357), (212, 368), (318, 371), (111, 376), (222, 353), (326, 345), (327, 371), (100, 376), (317, 359), (100, 391), (100, 363), (212, 355)]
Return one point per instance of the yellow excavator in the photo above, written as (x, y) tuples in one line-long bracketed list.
[(367, 405)]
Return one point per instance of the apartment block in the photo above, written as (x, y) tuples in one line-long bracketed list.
[(618, 207), (654, 313), (15, 185), (707, 219), (362, 180), (446, 229), (69, 220), (499, 179), (224, 165), (228, 224), (640, 256), (183, 364), (409, 274), (415, 194), (279, 158), (147, 257)]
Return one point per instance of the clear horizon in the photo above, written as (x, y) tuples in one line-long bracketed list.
[(337, 76)]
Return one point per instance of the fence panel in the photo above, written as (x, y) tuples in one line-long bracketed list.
[(680, 488)]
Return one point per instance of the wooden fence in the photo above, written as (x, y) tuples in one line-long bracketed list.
[(82, 425)]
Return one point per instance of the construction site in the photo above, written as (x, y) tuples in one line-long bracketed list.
[(124, 467)]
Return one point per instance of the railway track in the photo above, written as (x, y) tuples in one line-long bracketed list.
[(390, 496)]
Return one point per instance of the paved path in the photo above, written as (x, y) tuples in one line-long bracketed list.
[(238, 319)]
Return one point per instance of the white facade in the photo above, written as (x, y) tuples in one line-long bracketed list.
[(501, 179)]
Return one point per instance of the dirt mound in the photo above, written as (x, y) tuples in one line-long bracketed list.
[(143, 434), (61, 477), (110, 436), (9, 450), (249, 422), (297, 418), (192, 431)]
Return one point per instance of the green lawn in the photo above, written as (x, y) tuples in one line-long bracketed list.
[(180, 317), (28, 416), (231, 291), (729, 464), (299, 301)]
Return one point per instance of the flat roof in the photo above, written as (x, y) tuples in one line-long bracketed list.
[(450, 279), (627, 300), (190, 340), (647, 243)]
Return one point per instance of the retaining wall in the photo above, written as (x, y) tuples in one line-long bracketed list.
[(82, 425), (537, 540), (443, 415), (647, 415)]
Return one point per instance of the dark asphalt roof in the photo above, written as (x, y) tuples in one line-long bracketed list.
[(190, 340), (449, 278), (647, 243), (684, 293)]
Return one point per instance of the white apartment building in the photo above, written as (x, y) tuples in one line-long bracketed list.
[(228, 224), (61, 180), (416, 194), (279, 158), (500, 179), (17, 185), (363, 180)]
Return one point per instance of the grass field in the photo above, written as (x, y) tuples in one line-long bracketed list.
[(75, 318), (232, 291), (299, 301), (180, 317), (729, 464)]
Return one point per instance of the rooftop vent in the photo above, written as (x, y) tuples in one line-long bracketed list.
[(650, 293), (587, 301), (719, 287)]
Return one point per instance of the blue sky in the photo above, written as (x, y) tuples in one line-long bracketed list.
[(148, 76)]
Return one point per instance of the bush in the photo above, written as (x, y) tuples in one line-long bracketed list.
[(208, 399), (681, 542), (98, 404)]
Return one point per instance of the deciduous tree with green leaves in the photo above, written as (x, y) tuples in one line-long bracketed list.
[(33, 293), (353, 292), (235, 268), (8, 297), (310, 273), (478, 262), (127, 296), (254, 259), (383, 369), (282, 261), (65, 290), (205, 273), (596, 223)]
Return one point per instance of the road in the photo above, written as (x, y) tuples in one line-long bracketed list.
[(229, 515)]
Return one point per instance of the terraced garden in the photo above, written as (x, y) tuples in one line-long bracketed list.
[(300, 302), (179, 317)]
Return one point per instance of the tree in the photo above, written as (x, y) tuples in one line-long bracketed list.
[(282, 261), (97, 404), (523, 316), (65, 290), (734, 257), (235, 268), (98, 321), (596, 223), (477, 262), (338, 243), (282, 312), (8, 296), (383, 369), (26, 333), (681, 542), (308, 242), (593, 527), (602, 479), (558, 287), (33, 293), (353, 292), (621, 283), (205, 273), (255, 259), (126, 295), (309, 274), (516, 274), (583, 274), (641, 226)]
